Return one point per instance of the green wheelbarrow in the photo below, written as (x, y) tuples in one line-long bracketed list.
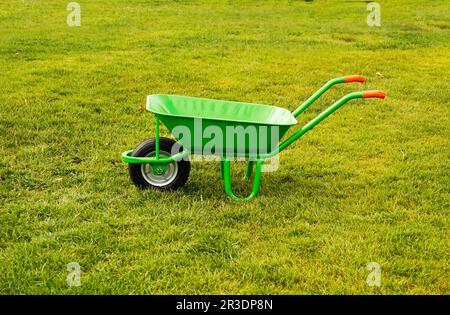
[(224, 129)]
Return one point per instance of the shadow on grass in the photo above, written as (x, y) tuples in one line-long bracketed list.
[(206, 184)]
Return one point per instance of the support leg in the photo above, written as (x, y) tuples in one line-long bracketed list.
[(256, 180), (157, 137), (249, 171)]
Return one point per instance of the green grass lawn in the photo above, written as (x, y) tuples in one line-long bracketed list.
[(370, 184)]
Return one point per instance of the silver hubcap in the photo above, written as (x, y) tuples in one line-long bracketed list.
[(157, 179)]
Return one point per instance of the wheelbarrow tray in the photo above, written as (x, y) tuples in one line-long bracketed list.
[(195, 121)]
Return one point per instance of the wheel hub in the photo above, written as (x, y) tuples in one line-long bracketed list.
[(159, 174)]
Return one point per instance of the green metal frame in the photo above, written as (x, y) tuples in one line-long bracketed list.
[(159, 165), (318, 94), (225, 164), (314, 122), (127, 158)]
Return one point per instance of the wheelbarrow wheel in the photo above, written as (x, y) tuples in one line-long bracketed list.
[(175, 175)]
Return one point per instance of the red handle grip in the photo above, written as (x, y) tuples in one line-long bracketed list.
[(370, 94), (354, 78)]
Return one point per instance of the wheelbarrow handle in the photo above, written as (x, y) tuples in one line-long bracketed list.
[(354, 78), (338, 104), (326, 87), (314, 122), (374, 93)]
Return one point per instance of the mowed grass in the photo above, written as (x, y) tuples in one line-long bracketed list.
[(370, 184)]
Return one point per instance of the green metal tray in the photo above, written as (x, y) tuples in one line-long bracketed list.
[(192, 121)]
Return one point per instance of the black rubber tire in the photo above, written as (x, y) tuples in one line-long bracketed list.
[(147, 147)]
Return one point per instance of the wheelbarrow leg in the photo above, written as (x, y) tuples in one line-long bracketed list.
[(227, 180), (249, 171)]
